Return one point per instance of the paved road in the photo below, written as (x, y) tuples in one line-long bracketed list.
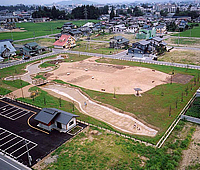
[(120, 56), (188, 48), (7, 163)]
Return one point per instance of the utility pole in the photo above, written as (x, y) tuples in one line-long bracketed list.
[(85, 13), (21, 87), (29, 156)]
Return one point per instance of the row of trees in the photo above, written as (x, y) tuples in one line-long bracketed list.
[(192, 14), (20, 7), (52, 13)]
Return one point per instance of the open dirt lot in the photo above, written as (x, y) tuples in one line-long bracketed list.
[(181, 56), (109, 78)]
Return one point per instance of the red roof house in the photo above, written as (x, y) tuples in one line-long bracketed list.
[(65, 41)]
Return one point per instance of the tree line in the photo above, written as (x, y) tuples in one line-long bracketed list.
[(52, 13)]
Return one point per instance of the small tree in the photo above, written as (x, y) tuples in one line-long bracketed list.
[(176, 103), (182, 97), (59, 100), (170, 111)]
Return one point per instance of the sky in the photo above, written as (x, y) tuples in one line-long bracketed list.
[(41, 2)]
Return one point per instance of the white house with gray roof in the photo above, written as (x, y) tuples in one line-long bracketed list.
[(7, 49), (52, 118)]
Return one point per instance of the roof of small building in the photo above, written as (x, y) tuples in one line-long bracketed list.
[(158, 39), (46, 115), (32, 44), (6, 44), (144, 42)]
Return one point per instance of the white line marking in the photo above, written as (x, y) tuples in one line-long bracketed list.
[(10, 164), (4, 106), (13, 145), (11, 112), (19, 148), (7, 109), (5, 137), (26, 151), (21, 115), (16, 113), (8, 141), (2, 132)]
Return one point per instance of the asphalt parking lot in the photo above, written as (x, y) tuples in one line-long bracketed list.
[(18, 139)]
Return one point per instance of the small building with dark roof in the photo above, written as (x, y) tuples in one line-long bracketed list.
[(119, 42), (52, 118)]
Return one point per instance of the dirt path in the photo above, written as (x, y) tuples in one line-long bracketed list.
[(116, 119), (191, 156), (21, 92)]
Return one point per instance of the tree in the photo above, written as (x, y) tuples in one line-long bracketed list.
[(137, 12), (112, 13), (163, 13)]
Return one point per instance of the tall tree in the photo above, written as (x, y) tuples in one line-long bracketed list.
[(112, 13)]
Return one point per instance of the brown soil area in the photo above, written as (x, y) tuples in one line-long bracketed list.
[(55, 61), (181, 78), (97, 76)]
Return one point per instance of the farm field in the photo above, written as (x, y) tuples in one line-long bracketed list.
[(41, 41), (95, 47), (39, 29), (190, 33), (181, 56)]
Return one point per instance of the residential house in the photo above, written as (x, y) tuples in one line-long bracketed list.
[(119, 28), (89, 24), (146, 33), (119, 42), (161, 29), (51, 118), (31, 49), (7, 49), (132, 29), (65, 41)]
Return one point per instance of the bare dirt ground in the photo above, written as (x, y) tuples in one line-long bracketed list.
[(14, 30), (181, 78), (107, 78), (191, 156), (181, 56)]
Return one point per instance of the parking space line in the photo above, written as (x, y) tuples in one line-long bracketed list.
[(5, 137), (4, 106), (11, 112), (17, 113), (25, 152), (21, 115), (2, 133), (13, 145), (7, 109), (19, 148), (8, 141)]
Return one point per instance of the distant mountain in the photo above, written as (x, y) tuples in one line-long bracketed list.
[(72, 2)]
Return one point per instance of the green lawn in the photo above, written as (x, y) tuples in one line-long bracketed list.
[(108, 151), (194, 110), (39, 29), (195, 32), (4, 91), (94, 47), (16, 83), (186, 41)]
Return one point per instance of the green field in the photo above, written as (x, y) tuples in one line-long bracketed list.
[(186, 41), (194, 110), (95, 47), (39, 29), (195, 32), (107, 151)]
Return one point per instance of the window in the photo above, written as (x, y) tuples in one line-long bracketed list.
[(71, 123)]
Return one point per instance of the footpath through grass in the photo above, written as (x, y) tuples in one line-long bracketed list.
[(43, 99), (39, 29)]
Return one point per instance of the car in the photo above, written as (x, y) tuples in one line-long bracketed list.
[(26, 57)]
